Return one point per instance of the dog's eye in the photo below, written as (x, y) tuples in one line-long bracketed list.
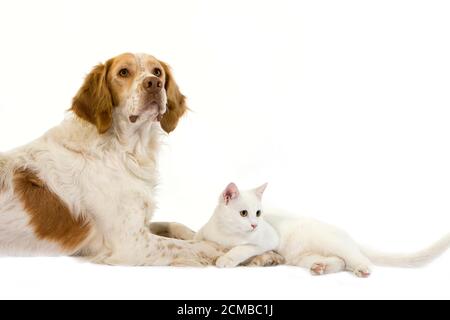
[(124, 73), (157, 72), (244, 213), (258, 213)]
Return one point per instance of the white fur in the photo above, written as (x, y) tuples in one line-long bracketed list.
[(302, 238), (305, 242), (228, 228), (107, 178)]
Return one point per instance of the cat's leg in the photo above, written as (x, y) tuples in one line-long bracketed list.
[(331, 241), (238, 255), (319, 265), (357, 263), (172, 230), (349, 252)]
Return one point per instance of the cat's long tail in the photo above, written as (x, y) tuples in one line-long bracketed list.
[(413, 260)]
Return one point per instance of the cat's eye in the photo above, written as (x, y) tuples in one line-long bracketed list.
[(258, 213), (124, 73), (244, 213)]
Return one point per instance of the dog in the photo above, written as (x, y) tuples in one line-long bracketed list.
[(86, 187)]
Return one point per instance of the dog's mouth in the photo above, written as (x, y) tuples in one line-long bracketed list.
[(153, 109)]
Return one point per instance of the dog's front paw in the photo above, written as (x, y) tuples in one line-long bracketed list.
[(268, 259), (226, 262)]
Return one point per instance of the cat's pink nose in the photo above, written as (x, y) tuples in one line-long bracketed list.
[(254, 226)]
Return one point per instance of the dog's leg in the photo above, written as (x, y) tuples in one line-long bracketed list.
[(172, 230), (142, 248), (268, 259), (180, 231)]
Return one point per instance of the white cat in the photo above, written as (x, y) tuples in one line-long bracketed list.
[(237, 224), (240, 223)]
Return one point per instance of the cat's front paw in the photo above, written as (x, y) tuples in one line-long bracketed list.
[(226, 262), (318, 269)]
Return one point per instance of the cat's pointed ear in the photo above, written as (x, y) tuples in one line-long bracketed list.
[(260, 190), (230, 193)]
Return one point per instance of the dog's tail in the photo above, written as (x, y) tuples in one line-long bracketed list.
[(414, 260)]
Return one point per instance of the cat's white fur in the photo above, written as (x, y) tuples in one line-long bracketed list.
[(303, 242), (247, 236)]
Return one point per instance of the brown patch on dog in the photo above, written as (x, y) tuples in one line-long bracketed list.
[(94, 101), (176, 101), (50, 218)]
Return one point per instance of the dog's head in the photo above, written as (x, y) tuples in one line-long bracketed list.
[(141, 86)]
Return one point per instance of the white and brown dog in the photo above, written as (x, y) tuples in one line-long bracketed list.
[(87, 186)]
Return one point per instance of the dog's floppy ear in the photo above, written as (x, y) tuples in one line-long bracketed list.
[(94, 102), (176, 102)]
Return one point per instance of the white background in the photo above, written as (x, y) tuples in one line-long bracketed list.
[(342, 106)]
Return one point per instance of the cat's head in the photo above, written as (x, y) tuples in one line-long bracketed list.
[(242, 210)]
